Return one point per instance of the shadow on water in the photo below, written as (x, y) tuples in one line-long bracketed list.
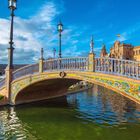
[(97, 113)]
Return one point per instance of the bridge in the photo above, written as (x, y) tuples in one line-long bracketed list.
[(55, 76)]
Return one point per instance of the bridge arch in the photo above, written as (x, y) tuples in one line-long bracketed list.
[(45, 89), (126, 87)]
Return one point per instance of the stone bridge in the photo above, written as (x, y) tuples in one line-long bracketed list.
[(52, 78)]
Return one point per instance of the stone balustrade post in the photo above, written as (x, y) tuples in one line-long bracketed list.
[(41, 65), (8, 81), (137, 71), (122, 67), (91, 62)]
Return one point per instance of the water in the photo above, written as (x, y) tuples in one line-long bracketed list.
[(95, 114)]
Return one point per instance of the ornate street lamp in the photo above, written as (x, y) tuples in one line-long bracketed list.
[(91, 45), (60, 30), (42, 54), (12, 6)]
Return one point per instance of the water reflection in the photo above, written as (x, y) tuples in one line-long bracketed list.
[(104, 106), (87, 112), (11, 127)]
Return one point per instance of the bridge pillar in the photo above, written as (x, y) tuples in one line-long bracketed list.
[(91, 62), (41, 61), (8, 73), (41, 64)]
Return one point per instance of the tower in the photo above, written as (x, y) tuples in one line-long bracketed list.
[(103, 51)]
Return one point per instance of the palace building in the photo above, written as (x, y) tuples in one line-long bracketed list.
[(122, 51), (136, 52)]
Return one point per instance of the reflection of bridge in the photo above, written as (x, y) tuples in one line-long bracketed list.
[(56, 75)]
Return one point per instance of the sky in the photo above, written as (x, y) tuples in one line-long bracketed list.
[(35, 27)]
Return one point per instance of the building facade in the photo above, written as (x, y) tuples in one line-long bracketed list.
[(122, 51), (136, 52)]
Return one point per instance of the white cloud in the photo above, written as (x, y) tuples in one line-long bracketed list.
[(28, 34), (39, 31)]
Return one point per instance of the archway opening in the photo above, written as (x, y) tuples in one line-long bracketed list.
[(45, 90)]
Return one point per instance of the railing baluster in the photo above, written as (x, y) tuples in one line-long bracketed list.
[(121, 67)]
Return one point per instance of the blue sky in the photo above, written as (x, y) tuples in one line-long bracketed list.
[(36, 20)]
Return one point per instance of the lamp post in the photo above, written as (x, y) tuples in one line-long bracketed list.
[(41, 61), (54, 51), (91, 45), (60, 30), (91, 57), (12, 6), (42, 53)]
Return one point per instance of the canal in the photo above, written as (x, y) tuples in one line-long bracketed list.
[(94, 114)]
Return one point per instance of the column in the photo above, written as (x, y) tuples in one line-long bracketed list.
[(91, 62), (41, 61), (8, 81)]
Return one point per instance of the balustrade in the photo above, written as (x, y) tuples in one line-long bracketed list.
[(27, 70), (120, 67), (2, 83), (130, 69), (79, 63)]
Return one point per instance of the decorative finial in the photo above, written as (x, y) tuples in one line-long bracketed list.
[(91, 44), (42, 53)]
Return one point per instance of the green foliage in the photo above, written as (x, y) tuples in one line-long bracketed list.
[(1, 97)]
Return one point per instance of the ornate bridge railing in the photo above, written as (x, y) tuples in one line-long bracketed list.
[(79, 63), (130, 69), (27, 70), (2, 83)]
